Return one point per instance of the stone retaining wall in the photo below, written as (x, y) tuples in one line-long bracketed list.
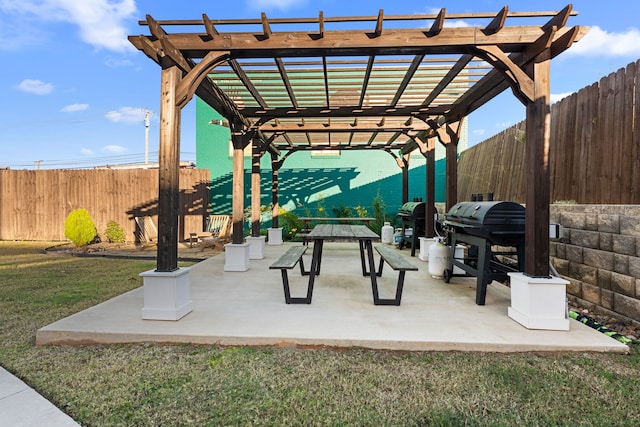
[(599, 254)]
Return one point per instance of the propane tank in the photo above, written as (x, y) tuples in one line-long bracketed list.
[(386, 235), (397, 236), (438, 259)]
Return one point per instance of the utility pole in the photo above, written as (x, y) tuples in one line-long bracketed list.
[(147, 114)]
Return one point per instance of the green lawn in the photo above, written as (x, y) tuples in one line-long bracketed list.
[(144, 384)]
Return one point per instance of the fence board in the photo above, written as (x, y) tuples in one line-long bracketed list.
[(594, 151), (35, 204)]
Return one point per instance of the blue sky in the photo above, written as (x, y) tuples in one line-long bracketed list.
[(74, 92)]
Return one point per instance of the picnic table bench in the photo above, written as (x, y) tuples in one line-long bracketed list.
[(288, 261), (398, 263)]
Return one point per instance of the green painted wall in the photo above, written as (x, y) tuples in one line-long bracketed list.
[(353, 179)]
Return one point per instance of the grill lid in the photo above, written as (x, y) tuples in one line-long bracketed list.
[(413, 210), (494, 216)]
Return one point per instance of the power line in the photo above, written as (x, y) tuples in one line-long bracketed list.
[(91, 162)]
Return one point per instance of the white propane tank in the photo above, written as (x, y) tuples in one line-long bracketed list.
[(386, 235), (397, 236), (438, 259)]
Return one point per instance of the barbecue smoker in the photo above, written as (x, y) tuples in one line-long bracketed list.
[(481, 226), (412, 215)]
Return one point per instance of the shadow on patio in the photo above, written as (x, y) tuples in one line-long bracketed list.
[(248, 308)]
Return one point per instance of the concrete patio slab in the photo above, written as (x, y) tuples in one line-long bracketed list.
[(248, 308)]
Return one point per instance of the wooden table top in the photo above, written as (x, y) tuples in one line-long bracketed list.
[(343, 232)]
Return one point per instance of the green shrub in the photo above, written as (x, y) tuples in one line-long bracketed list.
[(114, 233), (79, 227)]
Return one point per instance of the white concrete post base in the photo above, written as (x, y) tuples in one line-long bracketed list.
[(275, 236), (425, 244), (166, 294), (256, 247), (539, 303), (236, 257)]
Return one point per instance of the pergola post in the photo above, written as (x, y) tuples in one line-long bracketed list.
[(167, 294), (427, 148), (275, 232), (256, 241), (538, 125), (169, 172), (255, 189), (237, 253), (237, 198), (405, 179)]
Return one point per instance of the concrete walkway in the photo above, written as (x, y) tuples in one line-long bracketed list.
[(21, 406), (248, 308)]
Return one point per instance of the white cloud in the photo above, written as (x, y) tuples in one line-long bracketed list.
[(100, 21), (126, 115), (72, 108), (479, 132), (114, 149), (86, 152), (504, 124), (555, 97), (37, 87), (598, 42)]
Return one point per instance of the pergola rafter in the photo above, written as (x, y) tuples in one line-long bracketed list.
[(387, 83)]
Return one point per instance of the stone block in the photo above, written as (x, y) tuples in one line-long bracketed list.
[(609, 223), (629, 226), (638, 246), (584, 273), (606, 242), (574, 287), (634, 267), (577, 237), (552, 249), (604, 279), (591, 293), (591, 222), (561, 266), (561, 250), (598, 259), (591, 239), (625, 285), (573, 220), (621, 264), (624, 244), (574, 253), (606, 298), (637, 287), (627, 306)]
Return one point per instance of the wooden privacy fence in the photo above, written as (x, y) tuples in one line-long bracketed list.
[(35, 204), (594, 149)]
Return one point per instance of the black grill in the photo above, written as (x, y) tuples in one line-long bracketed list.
[(480, 226), (412, 215)]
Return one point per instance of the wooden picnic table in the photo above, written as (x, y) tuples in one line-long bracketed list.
[(343, 232)]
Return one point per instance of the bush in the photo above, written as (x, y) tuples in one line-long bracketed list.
[(79, 228), (114, 233)]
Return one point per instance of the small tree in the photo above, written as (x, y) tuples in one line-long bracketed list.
[(114, 233), (79, 228)]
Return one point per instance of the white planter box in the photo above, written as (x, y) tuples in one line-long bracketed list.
[(275, 236), (236, 257), (167, 295), (256, 247), (425, 244), (539, 303)]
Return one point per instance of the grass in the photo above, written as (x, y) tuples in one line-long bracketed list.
[(144, 384)]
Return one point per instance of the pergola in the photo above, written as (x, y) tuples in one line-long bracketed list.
[(392, 83)]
